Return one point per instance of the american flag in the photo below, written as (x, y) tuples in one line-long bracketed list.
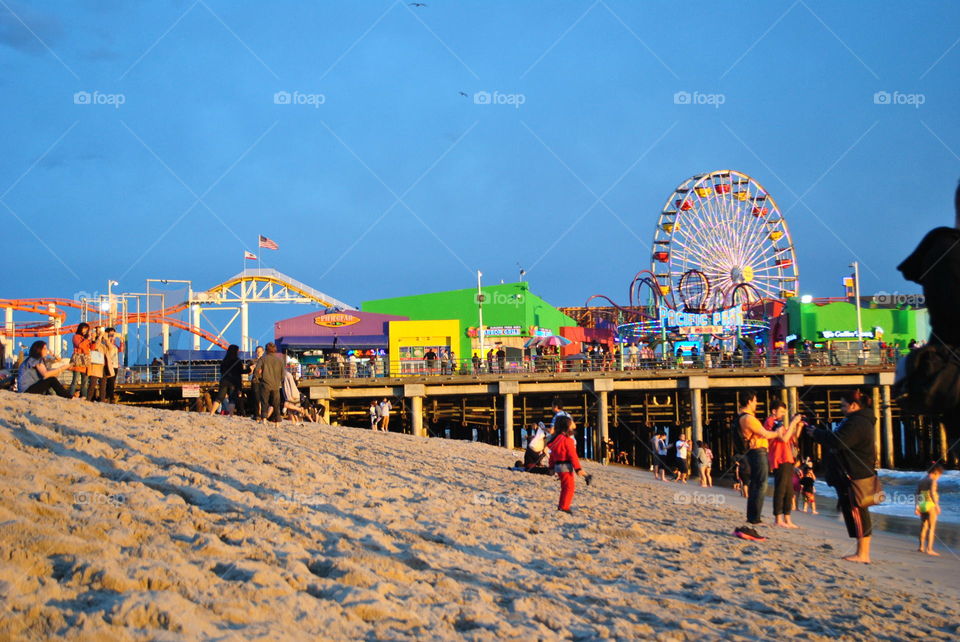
[(268, 244)]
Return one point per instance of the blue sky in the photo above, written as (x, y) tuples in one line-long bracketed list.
[(386, 181)]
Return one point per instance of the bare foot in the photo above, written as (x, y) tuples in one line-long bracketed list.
[(791, 525), (856, 558), (815, 513), (934, 553)]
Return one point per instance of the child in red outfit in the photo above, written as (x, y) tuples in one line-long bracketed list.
[(564, 461)]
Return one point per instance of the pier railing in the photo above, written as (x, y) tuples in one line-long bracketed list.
[(380, 367)]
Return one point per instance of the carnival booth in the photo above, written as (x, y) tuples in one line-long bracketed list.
[(337, 344)]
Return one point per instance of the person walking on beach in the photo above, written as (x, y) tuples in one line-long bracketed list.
[(781, 460), (756, 438), (564, 461), (849, 454), (385, 408), (928, 508), (96, 384), (704, 464), (268, 376)]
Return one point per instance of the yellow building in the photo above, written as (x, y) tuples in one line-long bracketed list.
[(411, 343)]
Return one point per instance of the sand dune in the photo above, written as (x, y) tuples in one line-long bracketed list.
[(125, 523)]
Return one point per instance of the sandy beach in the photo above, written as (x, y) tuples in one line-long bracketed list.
[(134, 524)]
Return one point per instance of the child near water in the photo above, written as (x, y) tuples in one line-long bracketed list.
[(809, 489), (738, 479), (928, 508)]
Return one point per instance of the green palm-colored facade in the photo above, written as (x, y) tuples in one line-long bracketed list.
[(508, 305)]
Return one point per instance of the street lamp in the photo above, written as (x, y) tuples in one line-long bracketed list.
[(856, 300), (110, 284), (480, 332)]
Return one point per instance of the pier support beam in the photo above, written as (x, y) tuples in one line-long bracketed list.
[(416, 392), (877, 433), (601, 387), (508, 389), (792, 382), (508, 421), (696, 385), (886, 379)]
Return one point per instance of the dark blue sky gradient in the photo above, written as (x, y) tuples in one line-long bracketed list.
[(112, 192)]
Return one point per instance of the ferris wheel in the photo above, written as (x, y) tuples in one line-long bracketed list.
[(722, 241)]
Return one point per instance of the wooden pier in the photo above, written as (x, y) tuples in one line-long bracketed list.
[(617, 411)]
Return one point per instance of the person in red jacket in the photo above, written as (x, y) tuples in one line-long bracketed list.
[(564, 461)]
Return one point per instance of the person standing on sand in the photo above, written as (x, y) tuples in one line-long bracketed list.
[(385, 408), (660, 455), (849, 454), (268, 376), (80, 360), (374, 412), (756, 439), (781, 460), (564, 461), (704, 464), (928, 508), (682, 447)]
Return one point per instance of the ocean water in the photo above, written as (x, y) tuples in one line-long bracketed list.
[(901, 489)]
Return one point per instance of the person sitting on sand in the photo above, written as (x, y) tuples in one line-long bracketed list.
[(564, 461), (291, 397), (536, 446), (928, 508), (34, 378)]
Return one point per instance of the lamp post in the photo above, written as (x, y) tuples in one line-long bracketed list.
[(856, 299), (110, 284), (480, 332)]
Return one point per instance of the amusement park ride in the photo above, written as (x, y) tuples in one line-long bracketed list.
[(233, 295), (722, 265)]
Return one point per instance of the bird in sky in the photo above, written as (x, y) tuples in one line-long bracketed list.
[(462, 93), (417, 4)]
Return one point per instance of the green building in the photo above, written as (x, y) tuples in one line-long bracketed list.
[(837, 321), (511, 314)]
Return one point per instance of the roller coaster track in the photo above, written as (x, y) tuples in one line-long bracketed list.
[(281, 289)]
